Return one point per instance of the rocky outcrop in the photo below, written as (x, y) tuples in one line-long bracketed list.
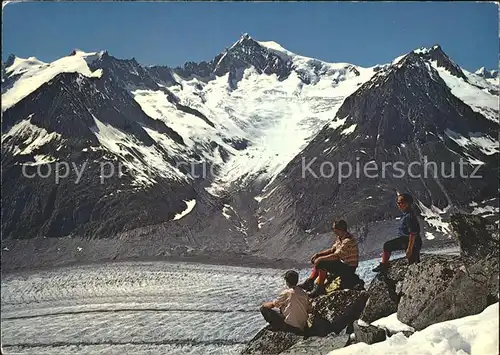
[(369, 334), (268, 342), (318, 345), (476, 237), (438, 290), (384, 299), (336, 311), (441, 287), (331, 314), (479, 246)]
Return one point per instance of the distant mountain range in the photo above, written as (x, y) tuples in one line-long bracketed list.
[(212, 154)]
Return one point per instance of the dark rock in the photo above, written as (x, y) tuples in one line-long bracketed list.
[(476, 237), (440, 289), (334, 312), (268, 342), (486, 271), (248, 52), (368, 334), (384, 298), (318, 345)]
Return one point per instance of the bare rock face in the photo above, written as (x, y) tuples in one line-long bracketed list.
[(318, 345)]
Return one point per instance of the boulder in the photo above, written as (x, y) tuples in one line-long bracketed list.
[(269, 342), (318, 345), (383, 297), (440, 289), (368, 334), (480, 248), (486, 271), (337, 310), (476, 236)]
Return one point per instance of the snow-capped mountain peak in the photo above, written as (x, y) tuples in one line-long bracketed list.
[(89, 57), (480, 71), (25, 76), (487, 74), (16, 65)]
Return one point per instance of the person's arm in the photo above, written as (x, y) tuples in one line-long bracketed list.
[(277, 303), (413, 228), (411, 243), (336, 253), (325, 252), (344, 251)]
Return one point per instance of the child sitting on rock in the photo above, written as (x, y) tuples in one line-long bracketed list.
[(293, 304)]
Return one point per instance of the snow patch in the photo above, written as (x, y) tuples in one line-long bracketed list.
[(144, 162), (433, 217), (33, 137), (349, 129), (429, 236), (475, 335), (190, 205), (225, 211), (393, 324), (338, 122), (485, 144), (479, 100)]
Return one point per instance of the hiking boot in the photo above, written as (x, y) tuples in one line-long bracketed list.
[(381, 268), (307, 285), (317, 291)]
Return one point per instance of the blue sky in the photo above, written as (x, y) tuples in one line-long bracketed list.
[(171, 33)]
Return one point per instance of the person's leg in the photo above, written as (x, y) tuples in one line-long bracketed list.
[(345, 272), (291, 329), (275, 319), (392, 245), (399, 243), (319, 286), (314, 274), (308, 284), (415, 255)]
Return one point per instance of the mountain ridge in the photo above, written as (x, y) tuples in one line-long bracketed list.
[(226, 138)]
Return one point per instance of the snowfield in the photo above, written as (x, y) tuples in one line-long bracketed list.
[(276, 117), (473, 335)]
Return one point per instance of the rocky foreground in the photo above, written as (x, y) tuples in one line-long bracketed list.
[(439, 288)]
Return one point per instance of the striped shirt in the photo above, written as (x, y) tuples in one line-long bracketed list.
[(346, 250)]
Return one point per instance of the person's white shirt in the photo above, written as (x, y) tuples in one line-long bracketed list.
[(295, 306)]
